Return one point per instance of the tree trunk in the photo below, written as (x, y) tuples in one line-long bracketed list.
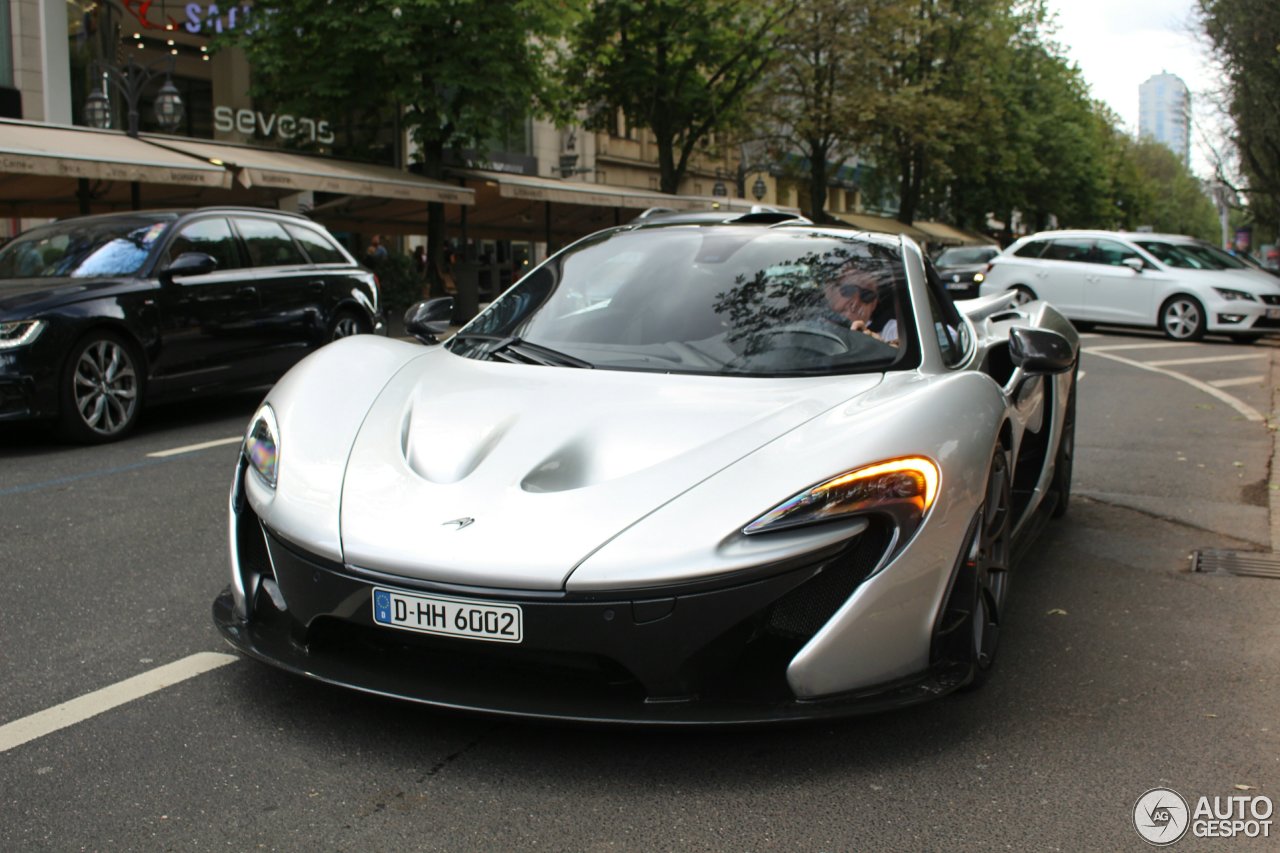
[(817, 183)]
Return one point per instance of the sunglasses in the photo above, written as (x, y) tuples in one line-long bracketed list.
[(866, 294)]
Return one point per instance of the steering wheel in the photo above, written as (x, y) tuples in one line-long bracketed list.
[(790, 346)]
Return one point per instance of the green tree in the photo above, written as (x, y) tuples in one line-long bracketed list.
[(817, 96), (1174, 201), (933, 53), (680, 68), (449, 72), (1029, 139), (1245, 35)]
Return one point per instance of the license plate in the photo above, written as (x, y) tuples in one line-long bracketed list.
[(449, 617), (1273, 313), (952, 285)]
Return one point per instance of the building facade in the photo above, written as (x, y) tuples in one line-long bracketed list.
[(1164, 113)]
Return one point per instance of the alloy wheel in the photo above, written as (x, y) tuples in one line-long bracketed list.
[(988, 561), (1183, 319), (345, 326), (105, 387)]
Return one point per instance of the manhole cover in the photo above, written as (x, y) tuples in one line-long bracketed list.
[(1253, 563)]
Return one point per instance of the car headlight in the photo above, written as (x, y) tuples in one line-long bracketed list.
[(262, 445), (978, 278), (897, 485), (1232, 295), (20, 333)]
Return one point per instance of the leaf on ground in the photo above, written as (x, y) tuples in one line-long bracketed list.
[(1057, 611), (1210, 716), (1244, 787)]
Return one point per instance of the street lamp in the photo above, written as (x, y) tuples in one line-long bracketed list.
[(131, 81), (758, 189)]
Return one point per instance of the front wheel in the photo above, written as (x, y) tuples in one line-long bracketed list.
[(101, 392), (1065, 459), (1182, 318)]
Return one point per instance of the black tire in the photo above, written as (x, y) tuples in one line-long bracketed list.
[(101, 390), (1182, 318), (347, 323), (1064, 461), (985, 570), (1025, 294), (1247, 337)]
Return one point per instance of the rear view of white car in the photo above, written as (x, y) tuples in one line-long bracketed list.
[(1181, 286)]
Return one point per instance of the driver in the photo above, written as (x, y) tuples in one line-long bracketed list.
[(854, 294)]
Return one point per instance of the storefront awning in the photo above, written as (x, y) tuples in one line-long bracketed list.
[(948, 235), (288, 172), (42, 165), (882, 225), (519, 207)]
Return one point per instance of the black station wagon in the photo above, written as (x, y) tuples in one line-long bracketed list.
[(101, 313)]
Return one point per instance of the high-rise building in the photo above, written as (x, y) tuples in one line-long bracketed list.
[(1164, 113)]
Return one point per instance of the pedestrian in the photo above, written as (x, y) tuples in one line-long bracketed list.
[(376, 253)]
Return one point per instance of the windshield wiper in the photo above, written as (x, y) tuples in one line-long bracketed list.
[(515, 350)]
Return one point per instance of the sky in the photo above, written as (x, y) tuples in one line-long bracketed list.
[(1118, 44)]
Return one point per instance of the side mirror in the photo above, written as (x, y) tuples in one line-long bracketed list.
[(426, 320), (1134, 264), (189, 263), (1040, 352)]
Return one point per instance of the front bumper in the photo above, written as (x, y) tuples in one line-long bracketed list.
[(659, 656), (28, 379)]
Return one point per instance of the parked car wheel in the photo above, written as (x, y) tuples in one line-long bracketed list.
[(1182, 318), (1024, 294), (101, 388), (346, 324)]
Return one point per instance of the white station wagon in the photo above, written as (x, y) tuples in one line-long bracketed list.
[(1179, 285)]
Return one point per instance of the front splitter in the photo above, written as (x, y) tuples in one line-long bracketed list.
[(439, 685)]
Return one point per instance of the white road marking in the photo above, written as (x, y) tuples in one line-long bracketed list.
[(1152, 345), (1240, 406), (192, 448), (89, 705), (1207, 359), (1239, 380), (1090, 335)]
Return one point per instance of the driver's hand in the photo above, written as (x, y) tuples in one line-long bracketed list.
[(861, 326)]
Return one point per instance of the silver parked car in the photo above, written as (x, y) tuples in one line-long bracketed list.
[(696, 469), (1179, 285)]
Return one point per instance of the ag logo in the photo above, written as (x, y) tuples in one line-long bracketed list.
[(1161, 816)]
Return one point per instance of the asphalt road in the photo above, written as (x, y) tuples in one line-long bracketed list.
[(1120, 671)]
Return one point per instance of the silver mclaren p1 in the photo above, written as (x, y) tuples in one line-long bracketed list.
[(700, 468)]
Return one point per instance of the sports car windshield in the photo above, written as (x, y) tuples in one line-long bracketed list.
[(82, 249), (714, 300)]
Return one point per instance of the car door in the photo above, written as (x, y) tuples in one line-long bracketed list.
[(291, 290), (209, 323), (1115, 292), (1058, 277)]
